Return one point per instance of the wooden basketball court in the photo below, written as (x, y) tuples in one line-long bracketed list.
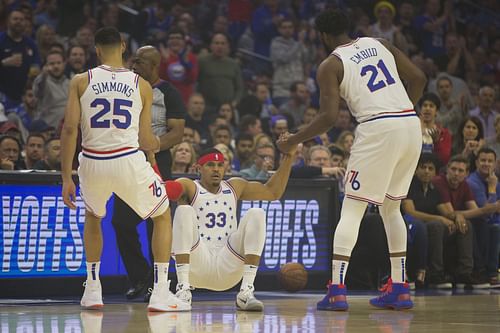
[(215, 312)]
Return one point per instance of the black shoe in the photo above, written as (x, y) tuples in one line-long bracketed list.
[(472, 282), (140, 288), (439, 281)]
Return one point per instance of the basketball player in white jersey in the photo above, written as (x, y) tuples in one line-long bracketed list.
[(112, 105), (211, 249), (366, 73)]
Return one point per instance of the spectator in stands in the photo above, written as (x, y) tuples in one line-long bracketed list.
[(24, 114), (179, 65), (18, 56), (485, 111), (450, 113), (298, 102), (457, 60), (458, 205), (422, 214), (45, 37), (226, 110), (288, 57), (39, 126), (263, 162), (197, 118), (484, 185), (10, 149), (404, 22), (338, 155), (384, 26), (279, 125), (244, 152), (318, 163), (190, 135), (432, 28), (184, 158), (222, 134), (436, 139), (345, 141), (219, 79), (469, 140), (77, 61), (228, 156), (51, 88), (33, 151), (52, 156), (250, 124), (309, 115), (10, 129), (85, 38), (342, 124)]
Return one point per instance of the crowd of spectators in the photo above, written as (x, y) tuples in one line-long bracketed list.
[(246, 72)]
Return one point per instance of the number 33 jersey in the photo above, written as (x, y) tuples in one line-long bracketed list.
[(111, 106), (371, 85), (215, 214)]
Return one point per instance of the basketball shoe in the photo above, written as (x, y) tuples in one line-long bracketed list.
[(163, 300), (246, 301), (92, 296), (183, 292), (395, 296), (335, 299)]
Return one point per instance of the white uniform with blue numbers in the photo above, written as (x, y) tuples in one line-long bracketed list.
[(388, 139), (110, 161)]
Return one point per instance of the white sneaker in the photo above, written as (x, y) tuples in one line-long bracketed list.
[(246, 301), (183, 292), (92, 296), (164, 301)]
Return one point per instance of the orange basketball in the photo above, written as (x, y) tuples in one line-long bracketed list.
[(292, 276)]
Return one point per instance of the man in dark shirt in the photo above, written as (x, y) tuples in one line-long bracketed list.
[(168, 114), (422, 215), (459, 205), (18, 55), (52, 156)]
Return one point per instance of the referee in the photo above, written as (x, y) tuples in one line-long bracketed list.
[(168, 113)]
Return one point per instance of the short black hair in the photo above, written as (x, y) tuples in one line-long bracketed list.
[(176, 31), (459, 159), (209, 151), (486, 150), (4, 137), (429, 158), (333, 22), (431, 97), (335, 150), (244, 137), (107, 36)]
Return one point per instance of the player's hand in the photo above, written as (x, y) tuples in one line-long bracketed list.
[(283, 143), (461, 224), (69, 194)]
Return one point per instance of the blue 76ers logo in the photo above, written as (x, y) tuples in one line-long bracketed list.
[(352, 179)]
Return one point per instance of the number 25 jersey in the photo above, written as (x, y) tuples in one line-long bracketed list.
[(371, 85), (110, 109)]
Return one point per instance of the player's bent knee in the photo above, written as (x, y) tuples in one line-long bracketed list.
[(256, 214)]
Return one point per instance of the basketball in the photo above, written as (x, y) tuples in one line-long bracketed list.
[(292, 277)]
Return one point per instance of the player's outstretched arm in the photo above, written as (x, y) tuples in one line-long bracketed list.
[(69, 135), (147, 140), (328, 81), (188, 189), (413, 76), (273, 189)]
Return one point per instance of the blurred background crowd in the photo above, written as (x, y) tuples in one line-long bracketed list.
[(246, 73)]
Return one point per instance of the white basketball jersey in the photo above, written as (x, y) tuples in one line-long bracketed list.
[(216, 213), (111, 107), (371, 85)]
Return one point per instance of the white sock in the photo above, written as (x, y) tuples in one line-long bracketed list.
[(93, 271), (398, 266), (249, 273), (339, 270), (182, 274), (160, 273)]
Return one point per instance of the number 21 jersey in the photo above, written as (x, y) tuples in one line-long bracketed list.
[(111, 106), (371, 85)]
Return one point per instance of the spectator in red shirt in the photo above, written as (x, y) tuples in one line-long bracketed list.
[(179, 65)]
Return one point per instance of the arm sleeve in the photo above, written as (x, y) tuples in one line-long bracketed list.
[(478, 193), (175, 105)]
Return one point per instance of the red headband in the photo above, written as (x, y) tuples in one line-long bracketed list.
[(210, 157)]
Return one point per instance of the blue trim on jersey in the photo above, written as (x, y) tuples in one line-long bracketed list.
[(110, 157), (391, 116)]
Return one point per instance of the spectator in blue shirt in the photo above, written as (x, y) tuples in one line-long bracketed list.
[(484, 185)]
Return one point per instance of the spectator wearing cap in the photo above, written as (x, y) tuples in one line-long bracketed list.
[(179, 65), (33, 151), (11, 129), (485, 112), (289, 59), (51, 88), (384, 26), (435, 138), (52, 156), (10, 149), (18, 55), (40, 127)]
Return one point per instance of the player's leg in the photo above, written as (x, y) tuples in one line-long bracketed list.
[(92, 241), (346, 235), (186, 239), (249, 241)]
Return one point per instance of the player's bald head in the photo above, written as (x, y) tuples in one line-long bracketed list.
[(149, 53)]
